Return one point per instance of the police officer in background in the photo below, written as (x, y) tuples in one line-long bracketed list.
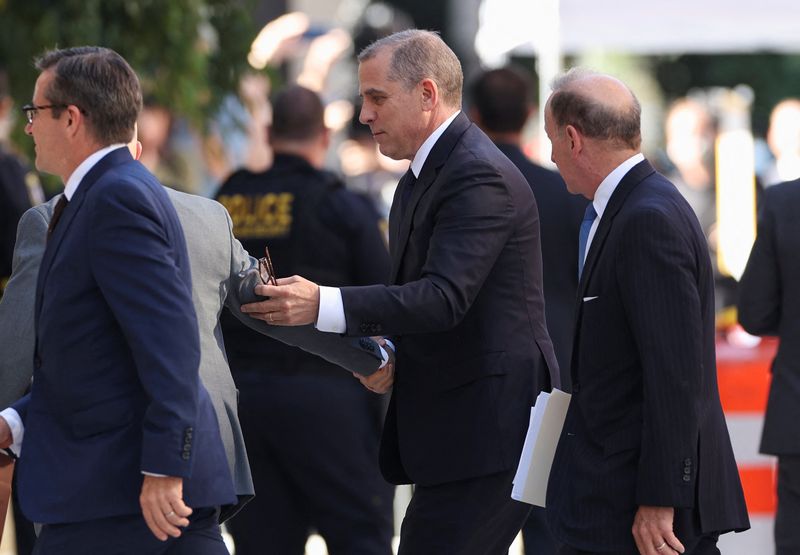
[(19, 186), (311, 429)]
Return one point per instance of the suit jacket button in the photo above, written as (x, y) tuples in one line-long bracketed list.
[(363, 328), (686, 478), (687, 470), (687, 462), (185, 456)]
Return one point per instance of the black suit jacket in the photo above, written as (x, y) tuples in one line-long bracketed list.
[(468, 309), (560, 216), (769, 304), (645, 425)]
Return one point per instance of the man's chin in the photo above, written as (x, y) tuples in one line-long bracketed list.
[(391, 154)]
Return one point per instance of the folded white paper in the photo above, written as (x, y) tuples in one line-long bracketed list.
[(544, 430)]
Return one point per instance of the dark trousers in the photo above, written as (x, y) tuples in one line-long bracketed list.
[(312, 441), (129, 535), (468, 517), (26, 536), (536, 535), (787, 517)]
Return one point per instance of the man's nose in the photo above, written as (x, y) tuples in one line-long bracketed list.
[(366, 116)]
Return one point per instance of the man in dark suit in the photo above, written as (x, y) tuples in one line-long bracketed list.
[(769, 304), (644, 462), (501, 107), (122, 445), (465, 308)]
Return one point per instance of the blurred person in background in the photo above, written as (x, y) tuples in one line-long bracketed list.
[(19, 186), (19, 190), (783, 138), (172, 149), (237, 135), (311, 430), (690, 133), (501, 106), (769, 304)]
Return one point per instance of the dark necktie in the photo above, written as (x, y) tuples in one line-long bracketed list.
[(60, 205), (406, 186), (583, 238)]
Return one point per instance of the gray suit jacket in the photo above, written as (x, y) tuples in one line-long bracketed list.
[(218, 263)]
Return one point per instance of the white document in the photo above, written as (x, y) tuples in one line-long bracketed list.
[(544, 431)]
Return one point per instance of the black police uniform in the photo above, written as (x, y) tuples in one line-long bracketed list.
[(311, 429)]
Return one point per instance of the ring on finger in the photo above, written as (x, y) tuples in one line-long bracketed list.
[(662, 546), (169, 514), (269, 316)]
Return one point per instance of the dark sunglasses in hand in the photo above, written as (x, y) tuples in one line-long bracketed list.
[(265, 270)]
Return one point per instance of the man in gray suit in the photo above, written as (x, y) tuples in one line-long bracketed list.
[(219, 267)]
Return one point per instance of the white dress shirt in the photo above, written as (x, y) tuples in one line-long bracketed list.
[(604, 192)]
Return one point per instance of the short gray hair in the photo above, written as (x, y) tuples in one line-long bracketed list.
[(417, 55), (594, 119)]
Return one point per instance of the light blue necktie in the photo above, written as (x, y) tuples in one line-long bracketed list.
[(583, 238)]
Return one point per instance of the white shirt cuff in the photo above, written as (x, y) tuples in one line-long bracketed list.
[(17, 429), (385, 354), (331, 310)]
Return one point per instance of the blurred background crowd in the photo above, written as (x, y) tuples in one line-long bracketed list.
[(719, 84)]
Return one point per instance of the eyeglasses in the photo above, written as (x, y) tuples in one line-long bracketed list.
[(265, 268), (30, 110)]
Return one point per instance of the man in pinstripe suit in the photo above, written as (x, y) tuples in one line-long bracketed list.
[(644, 463)]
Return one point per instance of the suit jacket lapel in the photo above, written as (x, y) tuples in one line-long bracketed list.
[(399, 231), (110, 160), (631, 179)]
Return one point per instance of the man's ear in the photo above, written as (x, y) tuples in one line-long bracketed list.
[(430, 94), (74, 118), (574, 138)]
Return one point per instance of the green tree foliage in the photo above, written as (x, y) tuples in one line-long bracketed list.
[(188, 53)]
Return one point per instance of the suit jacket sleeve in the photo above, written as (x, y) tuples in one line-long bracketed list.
[(17, 334), (362, 357), (133, 258), (657, 270), (472, 221), (759, 305)]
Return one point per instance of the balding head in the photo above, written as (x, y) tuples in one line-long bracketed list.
[(599, 106)]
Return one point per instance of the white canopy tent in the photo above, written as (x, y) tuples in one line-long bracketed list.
[(643, 26)]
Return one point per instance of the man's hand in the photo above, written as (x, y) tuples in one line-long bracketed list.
[(382, 380), (652, 531), (6, 438), (293, 302), (162, 506)]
